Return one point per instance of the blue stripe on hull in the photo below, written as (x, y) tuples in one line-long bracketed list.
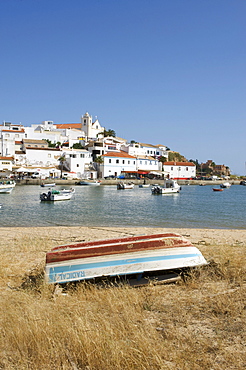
[(66, 273)]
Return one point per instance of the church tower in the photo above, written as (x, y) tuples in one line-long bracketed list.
[(91, 129)]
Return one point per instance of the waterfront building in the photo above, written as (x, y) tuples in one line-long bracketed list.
[(146, 164), (79, 162), (114, 163), (179, 170), (6, 164), (37, 153)]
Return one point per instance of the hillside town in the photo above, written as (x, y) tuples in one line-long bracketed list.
[(87, 150)]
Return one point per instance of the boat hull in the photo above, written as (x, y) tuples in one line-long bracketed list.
[(7, 187), (53, 196), (161, 190), (117, 257)]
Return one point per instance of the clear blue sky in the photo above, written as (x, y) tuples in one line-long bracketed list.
[(166, 72)]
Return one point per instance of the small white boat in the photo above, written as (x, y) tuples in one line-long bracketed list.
[(88, 182), (170, 187), (7, 186), (121, 185), (54, 195), (43, 185), (225, 185), (136, 256), (144, 185)]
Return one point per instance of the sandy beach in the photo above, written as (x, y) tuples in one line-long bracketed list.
[(197, 323), (19, 257)]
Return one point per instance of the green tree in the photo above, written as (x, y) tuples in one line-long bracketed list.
[(78, 146), (99, 159), (108, 132), (50, 144)]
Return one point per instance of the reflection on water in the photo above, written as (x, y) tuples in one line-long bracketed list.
[(195, 206)]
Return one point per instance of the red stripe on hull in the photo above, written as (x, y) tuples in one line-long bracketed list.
[(116, 246)]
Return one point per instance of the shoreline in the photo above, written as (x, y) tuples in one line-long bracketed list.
[(77, 233)]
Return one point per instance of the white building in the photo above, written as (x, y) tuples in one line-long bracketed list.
[(9, 134), (104, 145), (79, 161), (114, 163), (141, 149), (37, 153), (146, 164), (6, 163), (179, 170)]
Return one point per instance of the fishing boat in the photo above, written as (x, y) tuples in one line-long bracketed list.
[(218, 189), (54, 195), (170, 187), (129, 256), (225, 185), (121, 185), (144, 185), (89, 182), (7, 186)]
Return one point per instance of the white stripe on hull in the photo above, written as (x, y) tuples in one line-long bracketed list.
[(122, 264)]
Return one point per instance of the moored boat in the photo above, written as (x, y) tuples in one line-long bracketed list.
[(7, 186), (121, 185), (123, 256), (170, 187), (225, 185), (89, 182), (54, 195), (49, 185), (218, 189)]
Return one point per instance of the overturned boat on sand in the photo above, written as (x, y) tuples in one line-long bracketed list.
[(121, 257)]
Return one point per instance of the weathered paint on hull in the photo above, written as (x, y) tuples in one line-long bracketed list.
[(129, 263), (132, 255)]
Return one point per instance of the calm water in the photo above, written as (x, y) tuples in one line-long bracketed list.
[(195, 207)]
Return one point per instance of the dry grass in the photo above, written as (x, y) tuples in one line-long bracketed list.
[(198, 323)]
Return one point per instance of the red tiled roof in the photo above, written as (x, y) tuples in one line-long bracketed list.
[(118, 154), (179, 164), (6, 158), (68, 125), (22, 130)]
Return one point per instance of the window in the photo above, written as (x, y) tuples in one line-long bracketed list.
[(82, 156), (109, 161), (187, 168), (77, 165), (123, 161), (171, 168), (128, 162), (133, 162), (179, 169), (140, 162), (117, 160)]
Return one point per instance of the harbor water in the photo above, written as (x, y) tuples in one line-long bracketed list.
[(194, 207)]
